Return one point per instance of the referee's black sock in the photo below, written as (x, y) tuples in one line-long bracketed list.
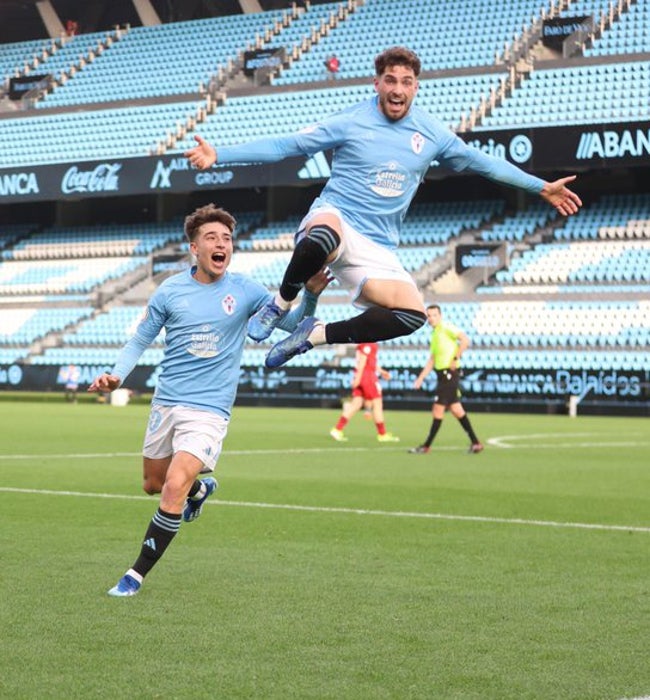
[(467, 427), (435, 427), (375, 324), (161, 531), (309, 256)]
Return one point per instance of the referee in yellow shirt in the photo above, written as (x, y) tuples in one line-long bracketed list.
[(448, 343)]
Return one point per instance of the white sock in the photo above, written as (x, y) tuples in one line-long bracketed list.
[(135, 575)]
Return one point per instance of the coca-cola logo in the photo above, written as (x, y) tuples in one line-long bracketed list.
[(103, 178)]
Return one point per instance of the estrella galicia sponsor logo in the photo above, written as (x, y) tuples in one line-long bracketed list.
[(162, 177), (389, 180), (102, 178), (629, 143), (18, 184), (204, 342)]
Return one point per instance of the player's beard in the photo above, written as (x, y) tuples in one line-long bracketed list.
[(392, 111)]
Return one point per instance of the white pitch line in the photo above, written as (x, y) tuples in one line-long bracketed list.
[(510, 442), (86, 455), (353, 511), (500, 442)]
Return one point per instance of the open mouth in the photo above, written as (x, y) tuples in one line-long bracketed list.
[(219, 257)]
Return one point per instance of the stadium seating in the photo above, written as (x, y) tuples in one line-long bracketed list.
[(574, 293), (14, 57), (20, 327), (444, 40), (173, 64), (629, 34), (611, 93), (618, 92)]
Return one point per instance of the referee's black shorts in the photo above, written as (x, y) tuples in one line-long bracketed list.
[(448, 390)]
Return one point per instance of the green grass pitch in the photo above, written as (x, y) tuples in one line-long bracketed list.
[(330, 570)]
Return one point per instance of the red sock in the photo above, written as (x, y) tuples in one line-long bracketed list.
[(342, 423), (381, 428)]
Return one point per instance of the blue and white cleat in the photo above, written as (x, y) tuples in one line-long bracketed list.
[(261, 324), (193, 508), (295, 344), (126, 586)]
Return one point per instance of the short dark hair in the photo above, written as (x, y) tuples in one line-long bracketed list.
[(434, 306), (206, 215), (397, 56)]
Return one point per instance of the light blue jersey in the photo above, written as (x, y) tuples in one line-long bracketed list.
[(378, 164), (205, 328)]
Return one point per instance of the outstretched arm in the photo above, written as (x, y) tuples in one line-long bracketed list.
[(459, 156), (271, 149), (558, 195)]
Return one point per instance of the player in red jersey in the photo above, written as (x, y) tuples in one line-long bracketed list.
[(365, 388)]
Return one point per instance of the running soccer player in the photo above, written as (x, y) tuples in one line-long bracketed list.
[(204, 311), (366, 390), (383, 148)]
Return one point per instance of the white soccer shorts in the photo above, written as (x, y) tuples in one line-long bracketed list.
[(359, 259), (173, 429)]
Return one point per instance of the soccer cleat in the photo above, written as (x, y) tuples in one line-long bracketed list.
[(292, 345), (475, 448), (126, 586), (387, 437), (419, 450), (193, 508), (261, 324), (338, 435)]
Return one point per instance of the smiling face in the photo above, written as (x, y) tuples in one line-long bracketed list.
[(396, 88), (212, 247)]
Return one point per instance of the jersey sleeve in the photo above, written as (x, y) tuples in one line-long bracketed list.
[(267, 150), (308, 141), (459, 156), (146, 332)]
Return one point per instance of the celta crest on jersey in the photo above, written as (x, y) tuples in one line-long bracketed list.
[(228, 304), (417, 142)]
